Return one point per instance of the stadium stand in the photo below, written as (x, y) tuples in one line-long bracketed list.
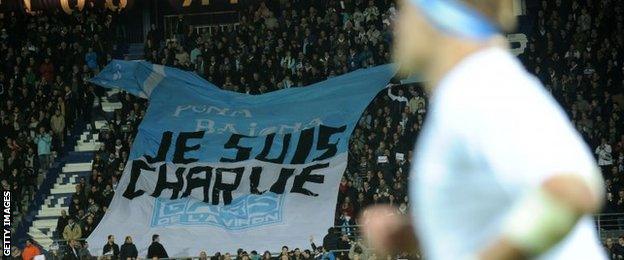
[(44, 103), (66, 142)]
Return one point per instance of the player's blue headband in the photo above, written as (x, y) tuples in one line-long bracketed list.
[(453, 17)]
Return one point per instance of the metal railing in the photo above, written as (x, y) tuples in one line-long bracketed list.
[(608, 225), (59, 246), (212, 29), (211, 20), (609, 220)]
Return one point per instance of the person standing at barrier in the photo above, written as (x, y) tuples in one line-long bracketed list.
[(254, 255), (266, 255), (72, 251), (284, 252), (500, 172), (128, 250), (84, 253), (156, 250), (62, 222), (331, 239), (110, 248)]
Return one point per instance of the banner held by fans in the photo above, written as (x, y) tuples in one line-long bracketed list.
[(216, 170)]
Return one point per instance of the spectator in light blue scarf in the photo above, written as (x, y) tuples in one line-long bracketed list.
[(43, 141)]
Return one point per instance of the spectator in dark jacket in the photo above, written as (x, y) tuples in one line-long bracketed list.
[(62, 222), (111, 249), (618, 250), (84, 253), (330, 241), (128, 250), (156, 249), (72, 252), (344, 243)]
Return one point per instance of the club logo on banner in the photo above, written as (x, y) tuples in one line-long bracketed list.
[(244, 212), (216, 170)]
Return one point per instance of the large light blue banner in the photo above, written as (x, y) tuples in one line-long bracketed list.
[(216, 170)]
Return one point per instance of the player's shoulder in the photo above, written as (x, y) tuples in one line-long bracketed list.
[(489, 79)]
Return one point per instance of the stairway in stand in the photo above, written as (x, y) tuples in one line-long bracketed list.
[(76, 165), (63, 179)]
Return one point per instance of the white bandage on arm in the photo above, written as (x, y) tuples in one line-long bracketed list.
[(540, 220)]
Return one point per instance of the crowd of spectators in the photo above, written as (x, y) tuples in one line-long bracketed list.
[(45, 61), (287, 44), (353, 249), (574, 50)]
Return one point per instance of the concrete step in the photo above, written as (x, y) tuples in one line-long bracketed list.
[(50, 212), (44, 223), (43, 239), (52, 202), (87, 147), (88, 142), (67, 178), (99, 124), (87, 137), (77, 167), (63, 188), (110, 106)]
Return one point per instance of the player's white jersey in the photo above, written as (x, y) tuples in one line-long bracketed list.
[(492, 131)]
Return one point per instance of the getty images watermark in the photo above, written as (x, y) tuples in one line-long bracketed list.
[(6, 223)]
